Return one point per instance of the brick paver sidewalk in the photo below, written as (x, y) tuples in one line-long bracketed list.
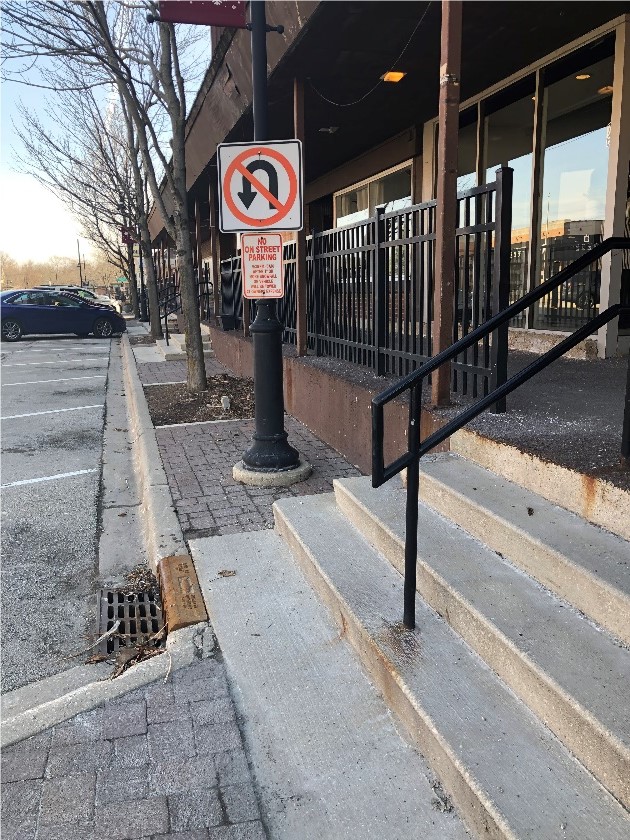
[(198, 460), (161, 763)]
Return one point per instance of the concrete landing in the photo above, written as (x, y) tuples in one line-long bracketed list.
[(327, 758)]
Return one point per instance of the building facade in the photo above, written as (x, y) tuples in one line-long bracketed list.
[(544, 90)]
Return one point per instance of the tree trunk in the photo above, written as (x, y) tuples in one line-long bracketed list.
[(196, 380), (151, 284), (133, 285)]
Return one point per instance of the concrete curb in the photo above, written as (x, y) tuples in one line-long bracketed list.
[(62, 696), (162, 532), (183, 647)]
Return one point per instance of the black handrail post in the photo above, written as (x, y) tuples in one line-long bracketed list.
[(501, 279), (380, 292), (624, 298), (625, 432), (411, 514)]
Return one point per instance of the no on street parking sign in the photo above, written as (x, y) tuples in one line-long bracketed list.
[(260, 186)]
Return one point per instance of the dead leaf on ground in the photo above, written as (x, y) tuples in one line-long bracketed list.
[(227, 573), (97, 657)]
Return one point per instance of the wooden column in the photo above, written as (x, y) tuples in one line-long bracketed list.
[(450, 64), (198, 253), (538, 167), (608, 343), (215, 257), (300, 246)]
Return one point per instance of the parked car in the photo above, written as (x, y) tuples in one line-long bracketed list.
[(35, 311), (86, 293)]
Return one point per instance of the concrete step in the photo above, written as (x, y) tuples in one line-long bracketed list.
[(176, 348), (328, 761), (571, 674), (583, 564), (595, 499), (507, 774)]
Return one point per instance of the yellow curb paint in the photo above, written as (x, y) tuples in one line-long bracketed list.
[(182, 601)]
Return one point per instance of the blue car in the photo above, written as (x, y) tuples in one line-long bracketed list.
[(35, 311)]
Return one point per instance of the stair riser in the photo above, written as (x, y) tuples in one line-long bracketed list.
[(589, 594), (474, 808), (597, 501), (597, 750)]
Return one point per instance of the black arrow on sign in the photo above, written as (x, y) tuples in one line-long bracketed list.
[(249, 193)]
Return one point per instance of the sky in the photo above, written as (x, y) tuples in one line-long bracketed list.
[(34, 224)]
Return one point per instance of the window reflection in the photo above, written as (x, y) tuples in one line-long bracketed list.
[(509, 142), (359, 203), (574, 190)]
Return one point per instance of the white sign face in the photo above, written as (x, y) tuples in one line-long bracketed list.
[(262, 265), (260, 186)]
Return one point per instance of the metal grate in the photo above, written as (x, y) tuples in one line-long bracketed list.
[(140, 615)]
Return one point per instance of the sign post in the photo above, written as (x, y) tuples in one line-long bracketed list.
[(263, 191), (270, 451)]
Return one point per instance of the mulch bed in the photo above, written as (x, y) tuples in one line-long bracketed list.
[(142, 340), (174, 404)]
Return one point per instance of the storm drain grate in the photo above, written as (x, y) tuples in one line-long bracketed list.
[(140, 616)]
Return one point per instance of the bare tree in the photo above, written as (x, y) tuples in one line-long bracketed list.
[(85, 164), (114, 40)]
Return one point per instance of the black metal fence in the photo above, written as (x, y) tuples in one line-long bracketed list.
[(370, 287), (578, 300), (169, 293)]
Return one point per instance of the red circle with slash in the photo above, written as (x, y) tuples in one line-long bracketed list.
[(237, 166)]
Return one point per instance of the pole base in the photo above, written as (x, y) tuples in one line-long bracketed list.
[(271, 478)]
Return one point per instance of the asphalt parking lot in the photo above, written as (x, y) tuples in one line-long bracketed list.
[(53, 398)]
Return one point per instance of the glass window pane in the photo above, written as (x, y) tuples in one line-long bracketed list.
[(509, 142), (352, 206), (574, 190), (467, 156), (394, 191)]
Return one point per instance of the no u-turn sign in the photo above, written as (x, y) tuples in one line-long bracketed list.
[(260, 186)]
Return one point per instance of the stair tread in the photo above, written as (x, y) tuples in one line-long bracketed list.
[(596, 673), (522, 770), (600, 552), (328, 759)]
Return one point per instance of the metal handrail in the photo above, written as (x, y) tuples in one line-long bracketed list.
[(414, 382)]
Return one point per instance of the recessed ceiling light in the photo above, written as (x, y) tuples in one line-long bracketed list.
[(581, 76), (606, 89), (393, 76), (328, 129)]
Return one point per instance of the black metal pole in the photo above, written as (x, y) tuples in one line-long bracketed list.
[(411, 512), (270, 451)]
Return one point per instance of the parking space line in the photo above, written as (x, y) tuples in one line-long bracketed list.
[(92, 349), (53, 411), (45, 381), (47, 478), (58, 362)]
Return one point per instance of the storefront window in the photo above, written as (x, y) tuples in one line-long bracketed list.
[(467, 150), (574, 188), (393, 190), (352, 206), (509, 142)]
